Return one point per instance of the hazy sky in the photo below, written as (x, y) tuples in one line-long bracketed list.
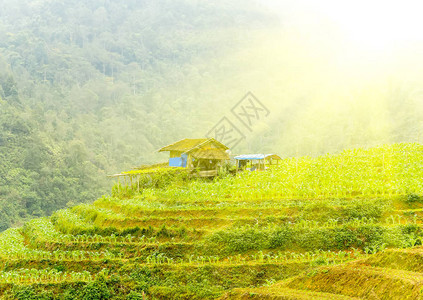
[(370, 24), (354, 61)]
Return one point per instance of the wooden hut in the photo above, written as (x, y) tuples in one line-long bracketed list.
[(255, 161), (204, 155)]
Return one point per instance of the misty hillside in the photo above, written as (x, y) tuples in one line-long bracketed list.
[(89, 88)]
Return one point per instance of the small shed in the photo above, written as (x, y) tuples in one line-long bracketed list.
[(259, 159), (206, 155)]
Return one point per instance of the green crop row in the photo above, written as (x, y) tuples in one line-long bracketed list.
[(383, 171), (371, 236), (21, 276), (313, 257), (13, 246)]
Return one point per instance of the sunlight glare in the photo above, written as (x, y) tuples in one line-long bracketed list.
[(374, 24)]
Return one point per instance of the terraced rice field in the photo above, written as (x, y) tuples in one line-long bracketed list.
[(298, 231), (392, 274)]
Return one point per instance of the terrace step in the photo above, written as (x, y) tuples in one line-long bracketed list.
[(127, 251), (357, 280), (275, 293), (215, 219), (399, 259), (197, 223), (224, 211), (229, 275)]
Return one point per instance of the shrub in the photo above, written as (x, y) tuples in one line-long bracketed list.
[(315, 239), (411, 229), (371, 235), (366, 209), (96, 290), (281, 238), (242, 239), (144, 278), (319, 211), (29, 293), (344, 238), (135, 296), (164, 232), (70, 293), (131, 231), (413, 198)]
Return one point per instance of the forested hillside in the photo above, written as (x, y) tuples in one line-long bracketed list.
[(88, 88)]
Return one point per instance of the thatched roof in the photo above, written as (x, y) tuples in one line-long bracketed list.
[(188, 145), (209, 153), (183, 145)]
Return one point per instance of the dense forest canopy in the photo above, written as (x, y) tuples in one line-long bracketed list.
[(93, 87)]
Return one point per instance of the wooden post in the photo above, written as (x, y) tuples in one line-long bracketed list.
[(189, 161), (138, 183), (118, 184), (237, 162)]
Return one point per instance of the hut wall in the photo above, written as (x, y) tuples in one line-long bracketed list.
[(175, 154)]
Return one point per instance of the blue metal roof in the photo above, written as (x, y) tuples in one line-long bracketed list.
[(252, 156)]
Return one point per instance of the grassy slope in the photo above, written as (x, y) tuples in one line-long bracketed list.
[(282, 234)]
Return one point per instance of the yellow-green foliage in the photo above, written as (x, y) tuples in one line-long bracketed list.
[(280, 231), (11, 241), (68, 222), (387, 170)]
